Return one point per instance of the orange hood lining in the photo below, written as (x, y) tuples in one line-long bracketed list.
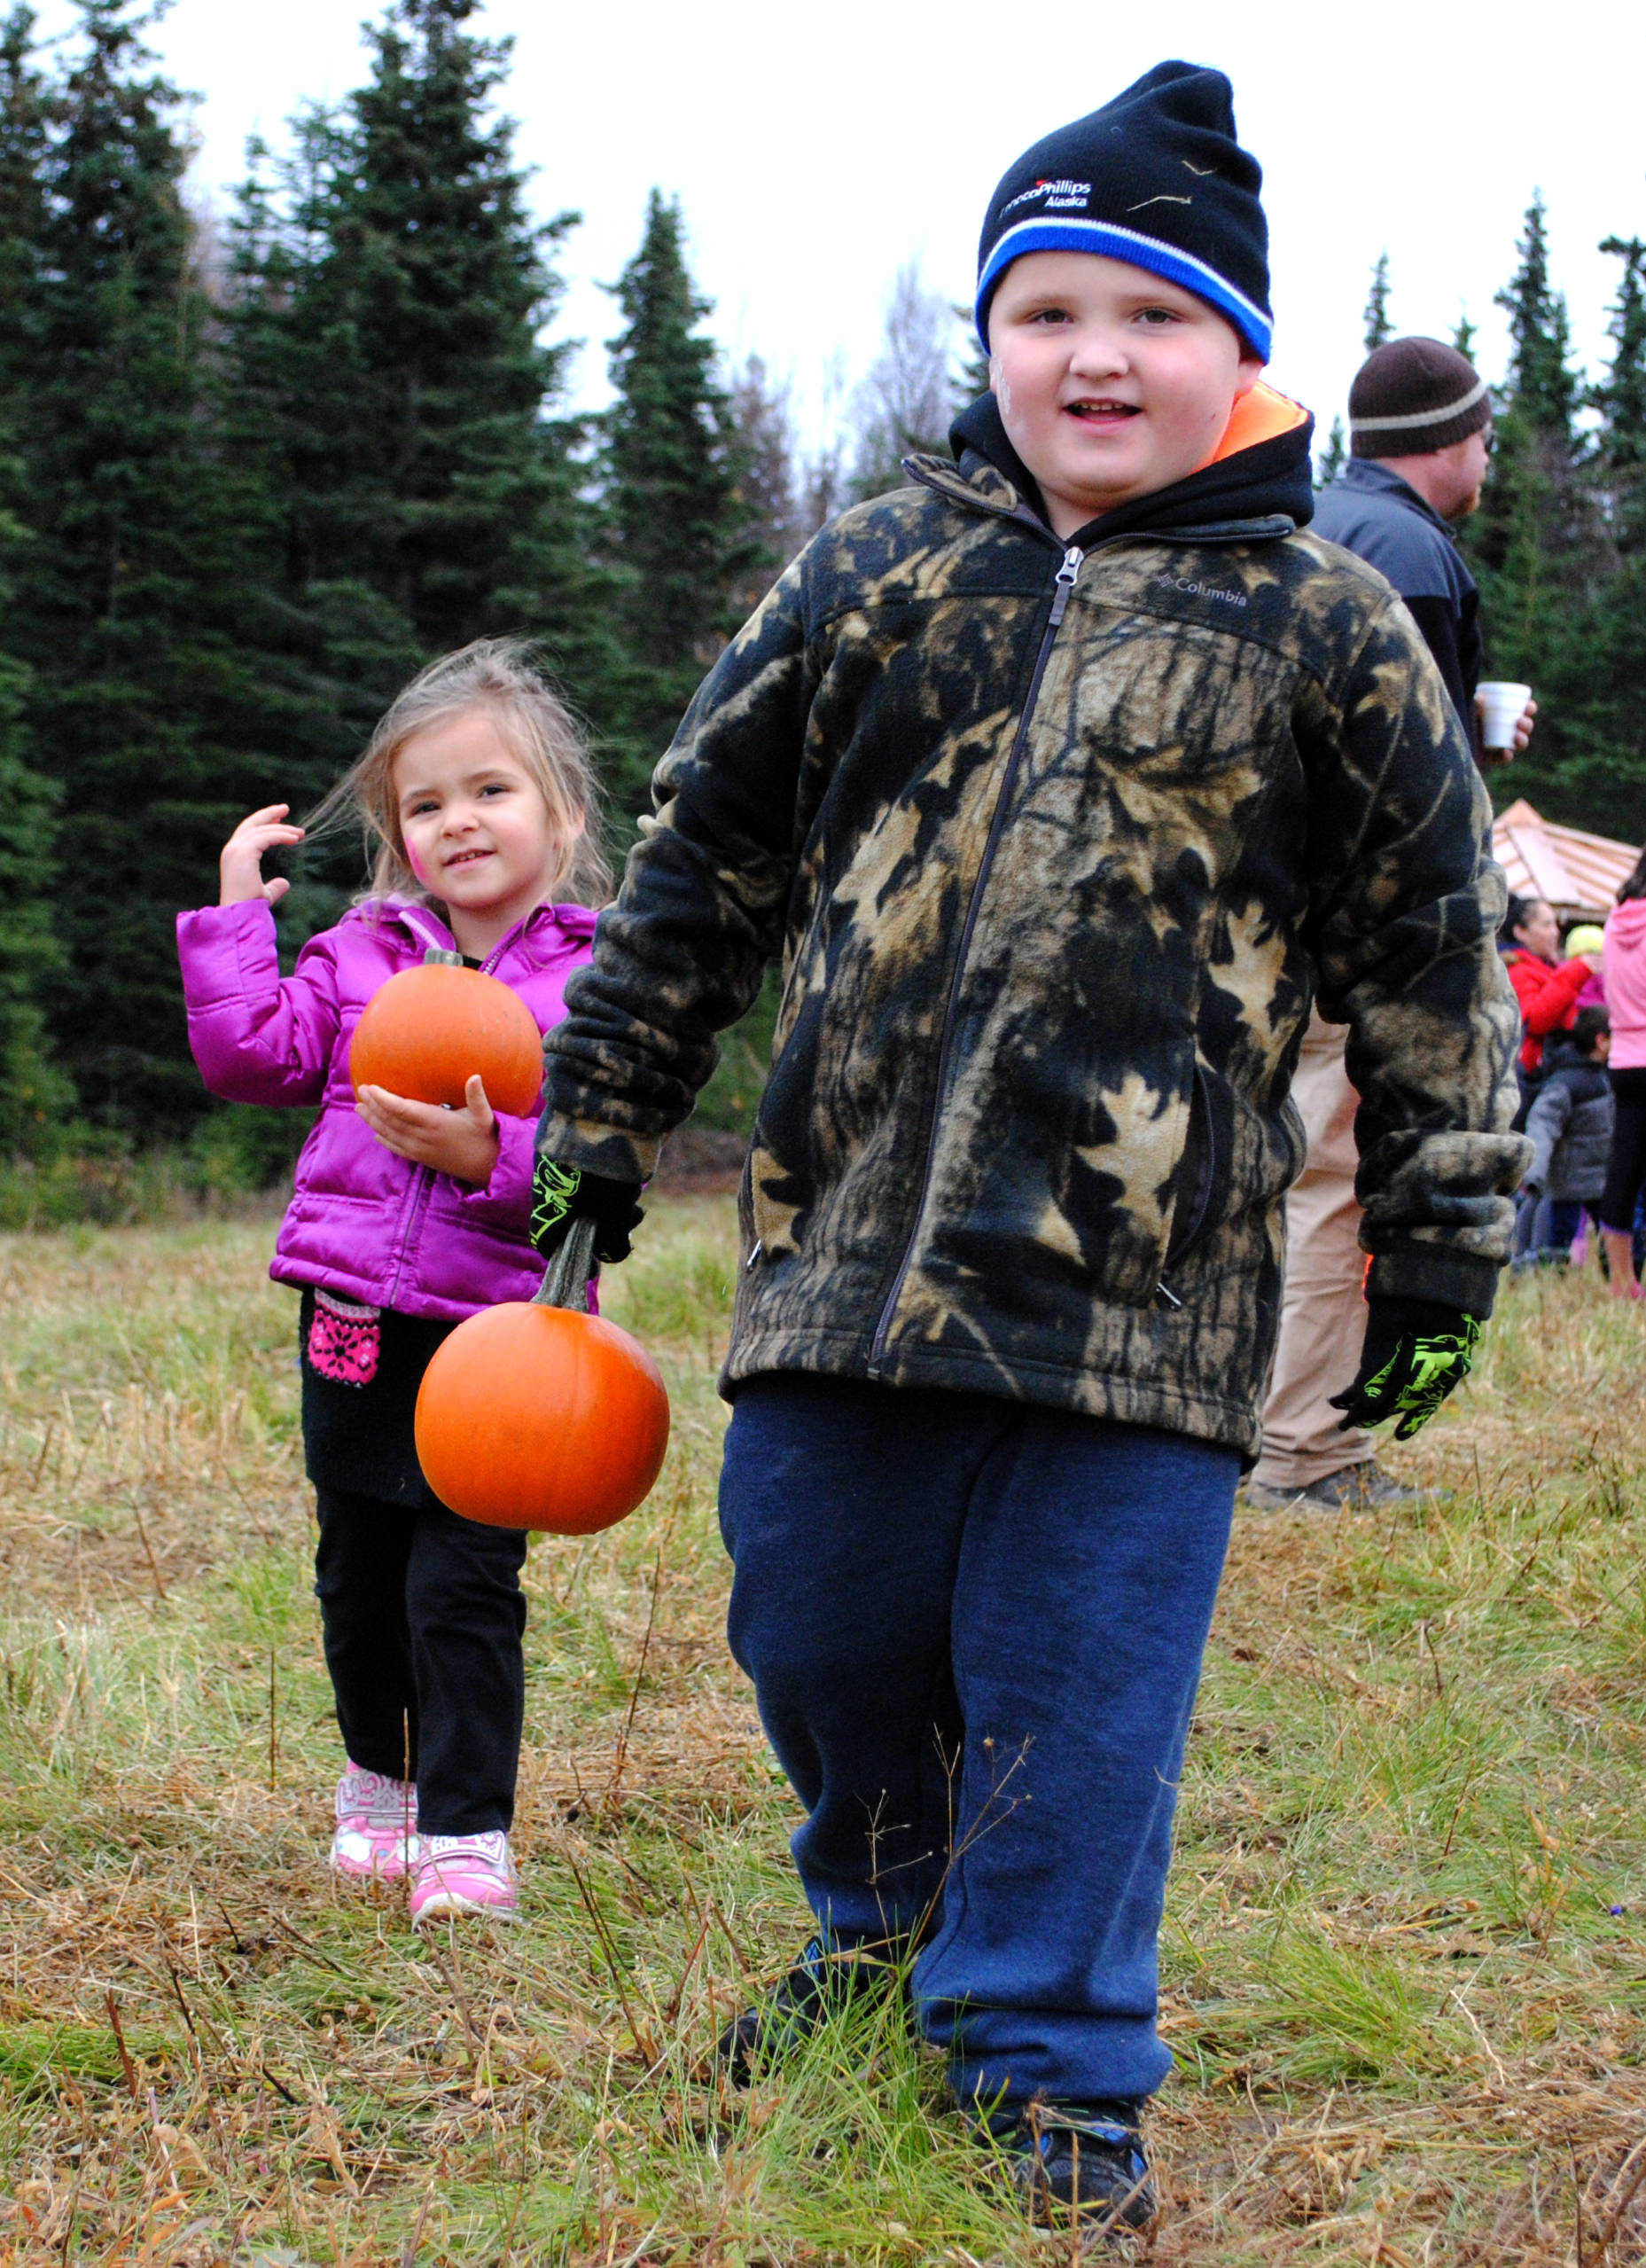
[(1263, 414)]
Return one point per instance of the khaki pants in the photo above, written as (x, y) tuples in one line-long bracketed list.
[(1322, 1315)]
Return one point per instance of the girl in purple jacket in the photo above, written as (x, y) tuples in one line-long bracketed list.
[(477, 795)]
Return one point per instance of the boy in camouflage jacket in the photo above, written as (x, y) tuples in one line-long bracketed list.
[(1063, 780)]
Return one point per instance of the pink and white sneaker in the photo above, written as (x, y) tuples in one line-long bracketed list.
[(376, 1827), (465, 1873)]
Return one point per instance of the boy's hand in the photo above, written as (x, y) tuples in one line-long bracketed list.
[(240, 867), (462, 1143), (1416, 1352), (561, 1193)]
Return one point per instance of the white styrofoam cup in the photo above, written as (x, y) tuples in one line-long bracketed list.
[(1501, 708)]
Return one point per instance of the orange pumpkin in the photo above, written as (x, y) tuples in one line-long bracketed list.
[(532, 1415), (427, 1031)]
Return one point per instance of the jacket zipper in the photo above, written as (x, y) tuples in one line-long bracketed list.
[(1067, 574), (423, 1185)]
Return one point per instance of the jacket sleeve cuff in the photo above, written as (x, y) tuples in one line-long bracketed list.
[(598, 1149), (1428, 1272), (1558, 995), (505, 1202)]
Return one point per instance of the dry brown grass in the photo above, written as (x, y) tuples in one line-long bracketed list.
[(1408, 2018)]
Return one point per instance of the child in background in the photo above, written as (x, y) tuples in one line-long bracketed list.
[(1063, 779), (477, 799), (1570, 1128)]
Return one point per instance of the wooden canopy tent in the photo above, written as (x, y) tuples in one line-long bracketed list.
[(1577, 873)]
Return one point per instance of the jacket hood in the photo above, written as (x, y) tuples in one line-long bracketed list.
[(1626, 926), (1262, 475)]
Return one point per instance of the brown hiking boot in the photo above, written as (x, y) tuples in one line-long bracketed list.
[(1354, 1487)]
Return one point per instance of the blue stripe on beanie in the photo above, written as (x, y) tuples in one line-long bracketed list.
[(1164, 260), (1167, 147)]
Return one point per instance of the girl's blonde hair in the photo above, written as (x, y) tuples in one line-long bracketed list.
[(495, 675)]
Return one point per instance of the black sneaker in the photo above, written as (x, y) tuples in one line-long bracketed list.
[(818, 1986), (1082, 2162)]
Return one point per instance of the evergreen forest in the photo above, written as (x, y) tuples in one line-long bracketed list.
[(257, 465)]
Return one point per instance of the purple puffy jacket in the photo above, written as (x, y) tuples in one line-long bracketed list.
[(364, 1222)]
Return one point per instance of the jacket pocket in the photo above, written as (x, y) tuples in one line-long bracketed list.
[(1196, 1179), (775, 1206), (748, 1241)]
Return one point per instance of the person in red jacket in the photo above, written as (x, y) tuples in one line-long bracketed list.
[(1545, 986)]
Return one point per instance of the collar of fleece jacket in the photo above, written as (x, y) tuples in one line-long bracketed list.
[(1263, 473)]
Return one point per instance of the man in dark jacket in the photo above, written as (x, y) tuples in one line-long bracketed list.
[(1420, 426), (1420, 441)]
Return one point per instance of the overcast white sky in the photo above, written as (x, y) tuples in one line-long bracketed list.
[(816, 148)]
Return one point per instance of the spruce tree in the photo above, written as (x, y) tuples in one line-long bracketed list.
[(389, 383), (1538, 541), (1378, 327), (34, 1097), (1602, 781), (1545, 388), (137, 695), (1620, 398), (677, 525), (25, 127), (771, 509), (1333, 457), (972, 379), (1525, 533), (391, 290)]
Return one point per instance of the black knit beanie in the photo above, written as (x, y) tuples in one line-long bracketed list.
[(1413, 397), (1154, 178)]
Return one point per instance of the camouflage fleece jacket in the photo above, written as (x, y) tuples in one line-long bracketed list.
[(1057, 843)]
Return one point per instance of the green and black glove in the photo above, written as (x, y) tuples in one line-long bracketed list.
[(561, 1195), (1416, 1352)]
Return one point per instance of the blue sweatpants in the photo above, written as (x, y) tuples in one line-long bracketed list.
[(975, 1629)]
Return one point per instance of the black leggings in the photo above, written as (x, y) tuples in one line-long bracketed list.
[(1625, 1166), (423, 1617)]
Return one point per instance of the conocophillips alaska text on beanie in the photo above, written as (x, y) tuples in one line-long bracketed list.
[(1154, 178), (1413, 397)]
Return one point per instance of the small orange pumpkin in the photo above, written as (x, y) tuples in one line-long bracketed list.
[(534, 1415), (427, 1031)]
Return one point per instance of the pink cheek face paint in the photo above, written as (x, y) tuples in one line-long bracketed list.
[(417, 866)]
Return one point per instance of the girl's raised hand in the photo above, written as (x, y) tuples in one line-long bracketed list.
[(462, 1143), (240, 868)]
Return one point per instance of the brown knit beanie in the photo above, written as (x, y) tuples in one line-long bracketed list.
[(1413, 397)]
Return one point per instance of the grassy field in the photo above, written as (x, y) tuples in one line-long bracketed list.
[(1404, 1950)]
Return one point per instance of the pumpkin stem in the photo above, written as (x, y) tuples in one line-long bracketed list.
[(437, 956), (566, 1282)]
